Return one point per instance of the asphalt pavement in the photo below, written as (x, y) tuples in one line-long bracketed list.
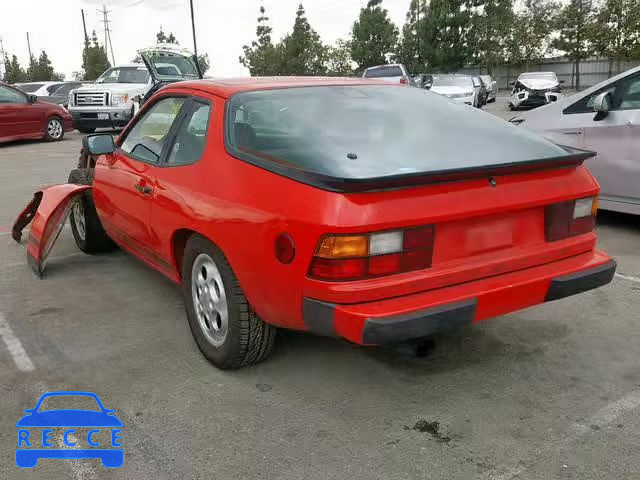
[(551, 392)]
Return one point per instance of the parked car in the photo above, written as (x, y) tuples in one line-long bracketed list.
[(39, 89), (604, 118), (23, 116), (481, 89), (60, 95), (533, 89), (111, 101), (392, 73), (492, 87), (405, 230), (423, 80), (458, 87)]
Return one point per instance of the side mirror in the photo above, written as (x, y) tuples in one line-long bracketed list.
[(561, 81), (602, 105), (32, 98), (99, 144), (512, 84)]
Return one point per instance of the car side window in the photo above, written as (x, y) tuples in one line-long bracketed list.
[(585, 104), (9, 95), (630, 94), (148, 136), (191, 137)]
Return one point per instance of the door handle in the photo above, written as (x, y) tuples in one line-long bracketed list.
[(144, 189), (573, 132)]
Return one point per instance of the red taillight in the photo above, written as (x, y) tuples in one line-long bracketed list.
[(568, 219), (353, 257), (404, 81)]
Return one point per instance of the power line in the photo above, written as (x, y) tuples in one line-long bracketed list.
[(107, 31)]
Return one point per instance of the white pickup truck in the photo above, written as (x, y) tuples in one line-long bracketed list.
[(114, 98)]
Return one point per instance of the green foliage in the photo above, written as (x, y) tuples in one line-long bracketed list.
[(13, 72), (444, 34), (262, 58), (374, 36), (162, 37), (94, 59), (303, 53), (530, 32), (41, 70), (489, 33), (574, 25), (615, 32), (339, 62), (411, 48)]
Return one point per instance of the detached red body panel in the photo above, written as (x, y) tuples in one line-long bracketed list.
[(47, 212), (484, 249)]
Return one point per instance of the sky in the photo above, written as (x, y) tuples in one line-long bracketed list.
[(222, 26)]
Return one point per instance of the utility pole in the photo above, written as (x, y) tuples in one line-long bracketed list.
[(107, 31), (193, 29), (84, 26), (3, 69), (29, 47)]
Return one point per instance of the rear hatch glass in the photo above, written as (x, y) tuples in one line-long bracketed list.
[(361, 132), (380, 72)]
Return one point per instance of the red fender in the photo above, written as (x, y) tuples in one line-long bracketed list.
[(49, 210)]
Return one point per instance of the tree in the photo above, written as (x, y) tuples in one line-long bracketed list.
[(13, 72), (303, 53), (530, 33), (410, 50), (339, 62), (162, 37), (94, 58), (616, 30), (444, 35), (575, 23), (374, 36), (41, 70), (487, 38), (262, 57)]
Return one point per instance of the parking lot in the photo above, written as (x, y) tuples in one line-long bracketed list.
[(552, 392)]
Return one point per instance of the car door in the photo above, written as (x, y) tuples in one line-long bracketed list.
[(124, 183), (179, 183), (616, 139), (15, 118)]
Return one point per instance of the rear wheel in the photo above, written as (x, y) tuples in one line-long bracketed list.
[(85, 224), (226, 329), (53, 129)]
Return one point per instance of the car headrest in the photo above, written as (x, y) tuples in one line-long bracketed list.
[(244, 136)]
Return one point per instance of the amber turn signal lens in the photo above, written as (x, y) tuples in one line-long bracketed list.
[(343, 246)]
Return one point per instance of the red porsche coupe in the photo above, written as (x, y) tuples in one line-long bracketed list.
[(343, 207)]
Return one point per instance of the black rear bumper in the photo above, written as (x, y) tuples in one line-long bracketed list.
[(319, 316)]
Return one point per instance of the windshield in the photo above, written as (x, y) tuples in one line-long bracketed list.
[(452, 81), (29, 87), (173, 65), (380, 72), (65, 89), (369, 131), (125, 75), (485, 78), (538, 76)]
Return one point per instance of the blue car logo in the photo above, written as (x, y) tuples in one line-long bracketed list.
[(69, 433)]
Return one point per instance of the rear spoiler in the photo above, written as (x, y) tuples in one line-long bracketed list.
[(573, 158)]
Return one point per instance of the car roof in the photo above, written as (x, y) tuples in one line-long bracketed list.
[(225, 87)]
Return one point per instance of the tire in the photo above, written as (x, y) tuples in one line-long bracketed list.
[(54, 129), (228, 331), (85, 224), (85, 130)]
